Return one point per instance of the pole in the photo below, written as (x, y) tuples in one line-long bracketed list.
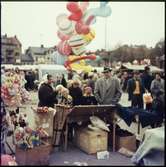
[(105, 33)]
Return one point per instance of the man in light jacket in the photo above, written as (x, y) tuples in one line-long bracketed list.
[(107, 89)]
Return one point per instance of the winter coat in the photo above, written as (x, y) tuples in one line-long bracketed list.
[(47, 96), (89, 100), (131, 85), (76, 94), (107, 94), (146, 80), (157, 86)]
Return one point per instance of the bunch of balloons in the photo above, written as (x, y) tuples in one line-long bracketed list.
[(75, 32)]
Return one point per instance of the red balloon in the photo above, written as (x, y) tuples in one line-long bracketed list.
[(64, 48), (81, 28), (62, 36), (73, 7), (76, 16)]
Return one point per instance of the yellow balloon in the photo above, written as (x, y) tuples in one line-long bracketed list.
[(90, 36), (79, 65)]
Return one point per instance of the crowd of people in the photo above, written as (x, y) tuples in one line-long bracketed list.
[(104, 88), (91, 88)]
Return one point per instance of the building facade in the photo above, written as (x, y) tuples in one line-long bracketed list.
[(11, 50), (39, 55)]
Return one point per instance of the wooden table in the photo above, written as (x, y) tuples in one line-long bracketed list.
[(83, 112)]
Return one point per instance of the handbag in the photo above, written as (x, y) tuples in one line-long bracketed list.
[(147, 97)]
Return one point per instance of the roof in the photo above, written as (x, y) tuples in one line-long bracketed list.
[(38, 50), (141, 67), (12, 40), (26, 58)]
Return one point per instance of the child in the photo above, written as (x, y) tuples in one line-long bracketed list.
[(88, 97)]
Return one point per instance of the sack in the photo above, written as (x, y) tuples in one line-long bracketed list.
[(97, 122), (147, 98)]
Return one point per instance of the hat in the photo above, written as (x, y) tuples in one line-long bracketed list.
[(107, 69)]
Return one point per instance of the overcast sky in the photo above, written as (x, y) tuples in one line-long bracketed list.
[(34, 23)]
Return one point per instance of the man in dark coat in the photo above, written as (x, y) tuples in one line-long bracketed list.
[(147, 78), (46, 94), (135, 90)]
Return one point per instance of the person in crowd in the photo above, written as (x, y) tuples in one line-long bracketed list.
[(58, 80), (146, 81), (91, 82), (59, 89), (4, 127), (157, 85), (46, 94), (76, 92), (36, 82), (124, 81), (147, 78), (85, 75), (63, 81), (95, 75), (70, 75), (17, 70), (107, 89), (30, 78), (66, 98), (135, 90), (88, 97), (158, 106)]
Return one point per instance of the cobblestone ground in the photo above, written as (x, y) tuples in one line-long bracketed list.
[(74, 156)]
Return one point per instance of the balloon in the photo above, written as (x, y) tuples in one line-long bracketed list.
[(102, 11), (72, 59), (60, 17), (76, 12), (76, 16), (103, 3), (64, 24), (89, 20), (81, 28), (77, 43), (64, 48), (62, 36), (89, 37), (89, 17), (84, 6), (73, 7), (79, 50)]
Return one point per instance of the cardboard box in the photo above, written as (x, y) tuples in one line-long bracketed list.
[(125, 139), (35, 156), (91, 141)]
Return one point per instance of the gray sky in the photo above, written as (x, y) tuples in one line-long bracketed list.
[(34, 23)]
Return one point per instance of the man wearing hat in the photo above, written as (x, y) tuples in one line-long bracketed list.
[(135, 89), (107, 89)]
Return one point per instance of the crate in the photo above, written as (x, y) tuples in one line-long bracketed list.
[(36, 156), (125, 139), (91, 141)]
